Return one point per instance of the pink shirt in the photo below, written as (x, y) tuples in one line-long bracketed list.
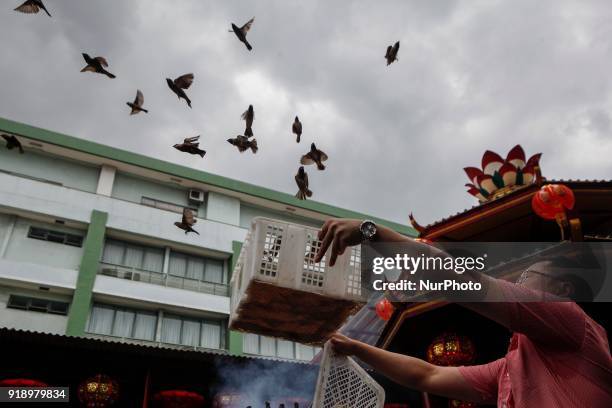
[(558, 357)]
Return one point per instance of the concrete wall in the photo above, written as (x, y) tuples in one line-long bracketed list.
[(133, 188), (23, 249), (70, 204), (39, 165), (223, 208), (28, 320)]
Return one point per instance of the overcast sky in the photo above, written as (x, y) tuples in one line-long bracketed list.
[(471, 76)]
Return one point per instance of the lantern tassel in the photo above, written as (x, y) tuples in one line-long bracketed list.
[(562, 223)]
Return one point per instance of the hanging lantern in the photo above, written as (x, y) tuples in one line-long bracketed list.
[(384, 309), (99, 391), (22, 382), (450, 349), (178, 399), (551, 202)]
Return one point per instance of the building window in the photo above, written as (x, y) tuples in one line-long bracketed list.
[(197, 268), (162, 205), (37, 305), (273, 347), (55, 236), (122, 322), (133, 256), (193, 332)]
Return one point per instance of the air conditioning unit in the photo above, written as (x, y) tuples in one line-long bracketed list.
[(196, 196)]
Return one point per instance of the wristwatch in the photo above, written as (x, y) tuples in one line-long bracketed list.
[(368, 230)]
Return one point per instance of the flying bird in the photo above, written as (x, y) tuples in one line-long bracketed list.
[(12, 142), (187, 222), (190, 145), (96, 64), (32, 7), (301, 179), (391, 55), (243, 143), (297, 128), (314, 156), (248, 116), (180, 83), (241, 32), (137, 104)]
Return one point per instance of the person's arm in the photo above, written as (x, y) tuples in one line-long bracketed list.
[(342, 233), (409, 371)]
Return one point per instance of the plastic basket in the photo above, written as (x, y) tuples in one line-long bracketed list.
[(278, 290), (343, 383)]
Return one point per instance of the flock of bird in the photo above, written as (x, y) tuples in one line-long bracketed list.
[(191, 145)]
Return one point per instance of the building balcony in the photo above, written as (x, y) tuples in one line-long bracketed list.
[(157, 278)]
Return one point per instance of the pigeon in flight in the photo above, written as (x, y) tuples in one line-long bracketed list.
[(187, 222), (243, 143), (190, 145), (137, 104), (391, 55), (297, 128), (32, 7), (301, 179), (12, 142), (96, 64), (180, 83), (248, 116), (314, 156), (241, 32)]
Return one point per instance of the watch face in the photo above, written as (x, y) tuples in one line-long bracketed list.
[(368, 229)]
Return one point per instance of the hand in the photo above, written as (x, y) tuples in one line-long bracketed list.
[(344, 345), (339, 233)]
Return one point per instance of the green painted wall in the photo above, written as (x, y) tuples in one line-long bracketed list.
[(234, 337), (92, 250), (42, 166)]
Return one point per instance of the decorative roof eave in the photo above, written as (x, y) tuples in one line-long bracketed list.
[(516, 198), (216, 181)]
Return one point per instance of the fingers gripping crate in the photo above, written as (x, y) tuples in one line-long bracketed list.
[(278, 290), (343, 383)]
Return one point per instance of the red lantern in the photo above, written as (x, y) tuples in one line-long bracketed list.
[(21, 382), (178, 399), (551, 202), (384, 309), (450, 349), (99, 391)]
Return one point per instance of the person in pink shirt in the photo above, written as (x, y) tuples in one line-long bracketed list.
[(558, 355)]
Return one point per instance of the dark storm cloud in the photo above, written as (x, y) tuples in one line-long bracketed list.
[(471, 76)]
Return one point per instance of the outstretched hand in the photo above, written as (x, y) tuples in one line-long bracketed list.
[(339, 234), (343, 345)]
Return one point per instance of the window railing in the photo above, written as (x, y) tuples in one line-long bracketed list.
[(158, 278)]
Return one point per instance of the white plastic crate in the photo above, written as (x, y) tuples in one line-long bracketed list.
[(343, 383), (277, 289)]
